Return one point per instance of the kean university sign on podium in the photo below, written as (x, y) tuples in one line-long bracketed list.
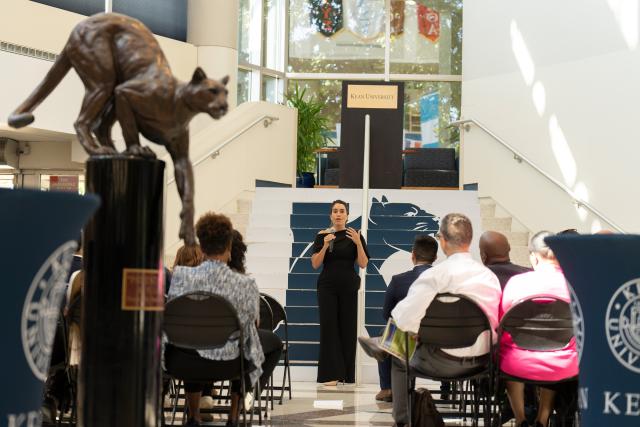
[(384, 103)]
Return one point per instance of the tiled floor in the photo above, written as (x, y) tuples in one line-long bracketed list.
[(359, 408)]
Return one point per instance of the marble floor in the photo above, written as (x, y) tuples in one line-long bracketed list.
[(359, 408)]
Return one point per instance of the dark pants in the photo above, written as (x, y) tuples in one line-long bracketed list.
[(432, 362), (191, 365), (338, 317), (384, 372)]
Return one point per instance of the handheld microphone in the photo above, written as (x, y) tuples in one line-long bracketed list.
[(332, 230)]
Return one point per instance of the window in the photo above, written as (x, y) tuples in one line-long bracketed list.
[(426, 37), (336, 37), (7, 181), (244, 86), (273, 34), (429, 107)]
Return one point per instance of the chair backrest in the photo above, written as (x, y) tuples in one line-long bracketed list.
[(452, 321), (279, 315), (266, 315), (200, 320), (431, 158), (542, 322)]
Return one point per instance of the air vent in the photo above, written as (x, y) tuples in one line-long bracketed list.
[(27, 51)]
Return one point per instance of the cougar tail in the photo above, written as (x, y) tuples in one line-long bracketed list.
[(23, 116)]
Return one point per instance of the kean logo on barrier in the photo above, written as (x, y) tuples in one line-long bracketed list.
[(623, 325), (42, 308)]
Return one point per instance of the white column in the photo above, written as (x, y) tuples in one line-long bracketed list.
[(213, 29)]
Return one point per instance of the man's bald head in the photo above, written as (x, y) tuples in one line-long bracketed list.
[(494, 247)]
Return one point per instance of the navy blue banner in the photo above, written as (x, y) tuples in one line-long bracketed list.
[(39, 232), (604, 272)]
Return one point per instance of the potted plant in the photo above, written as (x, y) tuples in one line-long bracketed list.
[(313, 129)]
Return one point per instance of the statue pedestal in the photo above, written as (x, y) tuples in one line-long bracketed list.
[(123, 298)]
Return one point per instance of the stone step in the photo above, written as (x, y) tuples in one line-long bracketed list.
[(520, 255), (239, 220), (503, 225), (487, 210), (518, 238), (244, 206)]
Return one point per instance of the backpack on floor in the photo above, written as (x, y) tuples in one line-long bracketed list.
[(425, 413)]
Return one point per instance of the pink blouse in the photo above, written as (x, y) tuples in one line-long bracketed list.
[(555, 365)]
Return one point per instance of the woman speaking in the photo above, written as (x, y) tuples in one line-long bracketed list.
[(338, 248)]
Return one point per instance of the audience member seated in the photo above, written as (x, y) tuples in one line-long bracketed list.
[(262, 349), (458, 274), (547, 366), (238, 253), (494, 252), (423, 255)]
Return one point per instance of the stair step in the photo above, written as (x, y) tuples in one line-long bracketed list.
[(518, 238), (487, 210), (520, 255), (239, 220), (496, 224), (244, 206)]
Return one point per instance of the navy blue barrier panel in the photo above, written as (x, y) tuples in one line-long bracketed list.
[(307, 333), (373, 299), (319, 222), (374, 331), (298, 281), (304, 351), (604, 271), (380, 252), (302, 314), (39, 233), (302, 298)]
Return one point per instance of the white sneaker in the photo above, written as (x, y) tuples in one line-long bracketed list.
[(206, 402)]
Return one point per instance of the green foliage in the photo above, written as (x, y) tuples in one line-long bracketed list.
[(313, 127)]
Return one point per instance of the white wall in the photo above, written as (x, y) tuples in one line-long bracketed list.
[(558, 81), (259, 153), (30, 24)]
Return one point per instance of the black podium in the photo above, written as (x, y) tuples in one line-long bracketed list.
[(384, 103)]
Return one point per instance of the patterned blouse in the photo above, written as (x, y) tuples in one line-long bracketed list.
[(241, 291)]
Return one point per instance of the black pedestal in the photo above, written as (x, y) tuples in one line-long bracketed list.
[(119, 380)]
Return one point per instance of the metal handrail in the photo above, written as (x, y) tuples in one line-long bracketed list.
[(266, 122), (519, 157)]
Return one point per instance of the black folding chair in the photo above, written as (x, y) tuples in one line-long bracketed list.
[(279, 317), (452, 321), (537, 323), (200, 321)]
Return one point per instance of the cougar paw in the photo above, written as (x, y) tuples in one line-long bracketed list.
[(102, 150), (140, 151)]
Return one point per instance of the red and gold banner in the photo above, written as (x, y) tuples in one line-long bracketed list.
[(429, 22)]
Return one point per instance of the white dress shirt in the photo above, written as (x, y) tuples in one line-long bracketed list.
[(458, 274)]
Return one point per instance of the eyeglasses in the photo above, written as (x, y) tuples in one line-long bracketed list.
[(438, 235)]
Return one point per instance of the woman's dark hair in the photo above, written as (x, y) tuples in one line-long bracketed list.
[(339, 202), (188, 256), (214, 232), (238, 251)]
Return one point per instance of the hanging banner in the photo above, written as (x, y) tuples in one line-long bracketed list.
[(604, 274), (429, 116), (429, 22), (326, 16), (397, 17), (365, 18)]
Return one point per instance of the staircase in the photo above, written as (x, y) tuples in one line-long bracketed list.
[(495, 218)]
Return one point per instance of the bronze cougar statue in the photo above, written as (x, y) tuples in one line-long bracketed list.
[(127, 78)]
